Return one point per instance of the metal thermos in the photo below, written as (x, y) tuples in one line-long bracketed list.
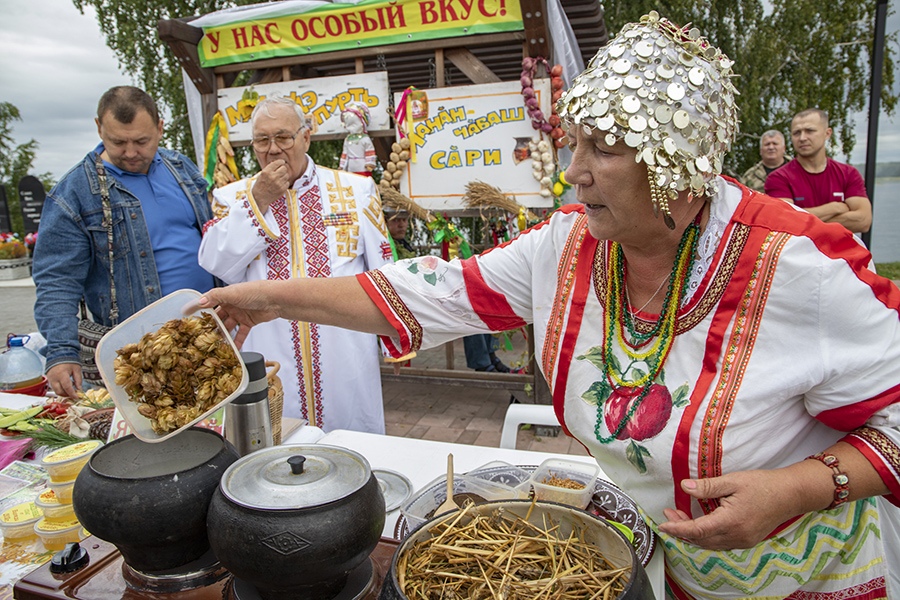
[(248, 425)]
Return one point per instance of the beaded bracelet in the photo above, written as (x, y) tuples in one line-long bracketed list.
[(841, 480)]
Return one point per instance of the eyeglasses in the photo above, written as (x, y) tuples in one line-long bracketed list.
[(285, 141)]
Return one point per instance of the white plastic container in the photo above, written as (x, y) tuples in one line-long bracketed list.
[(503, 473), (581, 476), (131, 330), (423, 503), (64, 464), (53, 509), (56, 534), (20, 367), (18, 521)]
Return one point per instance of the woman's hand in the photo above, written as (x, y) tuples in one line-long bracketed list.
[(241, 305), (752, 504)]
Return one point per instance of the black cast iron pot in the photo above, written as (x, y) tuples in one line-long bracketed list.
[(293, 521), (151, 500), (544, 515)]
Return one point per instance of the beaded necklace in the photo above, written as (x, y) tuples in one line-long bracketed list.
[(616, 320)]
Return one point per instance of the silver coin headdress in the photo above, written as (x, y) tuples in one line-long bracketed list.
[(667, 92)]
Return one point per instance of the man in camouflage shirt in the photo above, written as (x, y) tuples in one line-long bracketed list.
[(771, 150)]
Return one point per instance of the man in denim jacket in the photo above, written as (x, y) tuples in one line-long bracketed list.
[(159, 205)]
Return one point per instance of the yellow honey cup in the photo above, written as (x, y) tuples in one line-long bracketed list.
[(55, 535), (63, 491), (53, 509), (63, 465), (18, 522)]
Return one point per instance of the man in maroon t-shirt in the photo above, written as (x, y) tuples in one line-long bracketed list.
[(833, 191)]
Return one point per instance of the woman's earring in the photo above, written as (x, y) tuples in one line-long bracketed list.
[(660, 199)]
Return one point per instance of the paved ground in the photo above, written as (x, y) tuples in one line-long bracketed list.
[(468, 415)]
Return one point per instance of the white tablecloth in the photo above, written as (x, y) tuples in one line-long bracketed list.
[(424, 460)]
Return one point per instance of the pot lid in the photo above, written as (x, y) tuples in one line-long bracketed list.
[(295, 477)]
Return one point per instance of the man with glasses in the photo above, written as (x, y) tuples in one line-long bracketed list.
[(299, 219)]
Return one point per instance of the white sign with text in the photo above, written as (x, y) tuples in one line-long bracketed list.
[(473, 133), (322, 98)]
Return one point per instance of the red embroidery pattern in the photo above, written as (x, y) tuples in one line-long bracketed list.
[(318, 264), (870, 590), (313, 234), (881, 444), (316, 360), (278, 267), (404, 314), (386, 252), (254, 221), (209, 224), (298, 364), (278, 251)]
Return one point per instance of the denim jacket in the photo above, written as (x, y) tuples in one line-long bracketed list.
[(71, 256)]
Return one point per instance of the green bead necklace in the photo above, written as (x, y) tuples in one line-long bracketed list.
[(616, 319)]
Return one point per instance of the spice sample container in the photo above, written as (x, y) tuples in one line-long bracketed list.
[(53, 509), (564, 481), (56, 534), (63, 465), (17, 522)]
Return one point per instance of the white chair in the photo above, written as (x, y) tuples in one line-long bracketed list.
[(517, 414)]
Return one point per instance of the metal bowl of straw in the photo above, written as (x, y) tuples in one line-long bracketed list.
[(516, 549)]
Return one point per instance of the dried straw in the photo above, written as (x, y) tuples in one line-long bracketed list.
[(391, 198), (502, 556), (482, 196)]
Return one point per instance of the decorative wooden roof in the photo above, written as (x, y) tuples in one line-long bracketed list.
[(450, 61)]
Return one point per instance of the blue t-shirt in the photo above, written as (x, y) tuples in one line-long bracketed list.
[(172, 224)]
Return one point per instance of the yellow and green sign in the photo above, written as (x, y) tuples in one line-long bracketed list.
[(348, 26)]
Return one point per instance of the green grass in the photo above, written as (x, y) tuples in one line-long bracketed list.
[(889, 270)]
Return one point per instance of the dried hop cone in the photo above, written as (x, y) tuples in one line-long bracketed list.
[(178, 372)]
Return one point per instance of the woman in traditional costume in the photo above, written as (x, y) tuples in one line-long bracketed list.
[(731, 362)]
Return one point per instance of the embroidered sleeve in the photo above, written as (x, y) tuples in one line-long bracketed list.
[(884, 454)]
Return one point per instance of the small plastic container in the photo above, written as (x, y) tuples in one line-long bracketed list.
[(55, 535), (564, 481), (18, 522), (63, 491), (63, 465), (53, 509), (503, 473), (149, 320), (423, 503)]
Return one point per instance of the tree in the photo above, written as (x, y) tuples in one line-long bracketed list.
[(142, 55), (130, 30), (789, 54), (15, 163)]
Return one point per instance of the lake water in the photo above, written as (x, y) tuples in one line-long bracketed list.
[(885, 238)]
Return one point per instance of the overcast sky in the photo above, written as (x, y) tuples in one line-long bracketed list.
[(54, 65)]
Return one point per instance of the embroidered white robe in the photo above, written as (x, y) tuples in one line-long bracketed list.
[(330, 225)]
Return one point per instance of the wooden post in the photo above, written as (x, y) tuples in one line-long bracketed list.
[(534, 19), (448, 351), (439, 67)]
